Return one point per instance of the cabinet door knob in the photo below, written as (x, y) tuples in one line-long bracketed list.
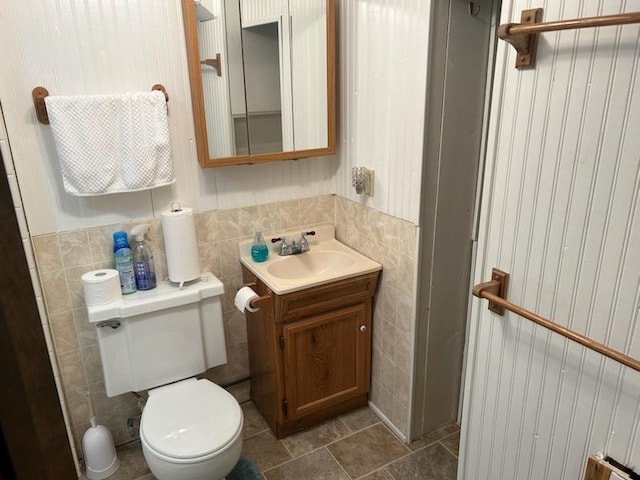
[(363, 328)]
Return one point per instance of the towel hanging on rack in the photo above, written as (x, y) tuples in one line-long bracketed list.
[(111, 143)]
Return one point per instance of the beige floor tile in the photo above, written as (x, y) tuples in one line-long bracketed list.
[(318, 465), (431, 463), (265, 450), (434, 436), (452, 442), (367, 450), (359, 419), (253, 421), (316, 437)]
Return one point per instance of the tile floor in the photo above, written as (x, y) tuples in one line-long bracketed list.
[(356, 445)]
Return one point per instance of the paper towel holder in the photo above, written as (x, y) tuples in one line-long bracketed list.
[(257, 302)]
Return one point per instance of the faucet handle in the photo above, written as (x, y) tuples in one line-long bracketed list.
[(304, 245), (285, 248)]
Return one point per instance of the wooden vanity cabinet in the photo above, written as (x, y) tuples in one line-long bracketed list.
[(310, 352)]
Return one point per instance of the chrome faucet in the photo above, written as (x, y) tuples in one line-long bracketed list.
[(294, 247)]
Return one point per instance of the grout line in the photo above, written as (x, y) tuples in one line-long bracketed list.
[(287, 449), (255, 433), (338, 463), (345, 424), (448, 449)]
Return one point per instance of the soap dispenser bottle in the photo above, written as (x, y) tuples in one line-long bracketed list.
[(143, 266), (124, 262), (259, 250)]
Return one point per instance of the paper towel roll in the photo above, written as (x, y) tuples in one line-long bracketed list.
[(101, 287), (243, 299), (181, 245)]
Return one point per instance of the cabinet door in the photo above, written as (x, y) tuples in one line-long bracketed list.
[(326, 359)]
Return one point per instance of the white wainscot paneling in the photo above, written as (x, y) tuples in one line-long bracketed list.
[(383, 65)]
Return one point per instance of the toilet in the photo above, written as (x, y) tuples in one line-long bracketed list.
[(157, 340)]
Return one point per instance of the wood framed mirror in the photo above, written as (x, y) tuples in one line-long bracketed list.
[(262, 76)]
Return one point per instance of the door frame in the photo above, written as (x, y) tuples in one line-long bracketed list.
[(440, 296), (31, 419)]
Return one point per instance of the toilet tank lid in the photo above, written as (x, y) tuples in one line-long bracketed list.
[(165, 295)]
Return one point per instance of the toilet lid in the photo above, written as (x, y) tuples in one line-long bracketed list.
[(190, 419)]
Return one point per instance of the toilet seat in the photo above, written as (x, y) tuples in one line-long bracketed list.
[(190, 419)]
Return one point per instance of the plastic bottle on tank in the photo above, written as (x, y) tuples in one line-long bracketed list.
[(143, 266), (124, 262)]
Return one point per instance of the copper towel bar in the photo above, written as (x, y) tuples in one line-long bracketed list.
[(496, 291), (39, 93), (524, 36)]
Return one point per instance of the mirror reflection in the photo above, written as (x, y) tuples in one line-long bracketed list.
[(263, 66)]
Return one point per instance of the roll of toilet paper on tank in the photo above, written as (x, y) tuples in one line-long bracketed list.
[(243, 299), (101, 287), (181, 245)]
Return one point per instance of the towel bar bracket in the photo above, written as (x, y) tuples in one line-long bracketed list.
[(526, 44), (498, 285), (216, 63), (38, 94), (161, 88)]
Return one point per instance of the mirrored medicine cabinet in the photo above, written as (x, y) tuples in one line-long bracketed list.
[(262, 78)]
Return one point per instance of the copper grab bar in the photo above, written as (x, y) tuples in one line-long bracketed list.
[(524, 36), (495, 291)]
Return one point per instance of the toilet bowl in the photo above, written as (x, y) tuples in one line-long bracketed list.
[(191, 430)]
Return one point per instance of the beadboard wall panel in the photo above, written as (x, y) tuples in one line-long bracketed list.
[(75, 48), (382, 77), (561, 213), (215, 88), (257, 12)]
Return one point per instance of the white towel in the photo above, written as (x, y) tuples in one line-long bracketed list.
[(111, 143)]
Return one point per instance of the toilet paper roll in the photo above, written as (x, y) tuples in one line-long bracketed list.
[(181, 245), (101, 287), (243, 299)]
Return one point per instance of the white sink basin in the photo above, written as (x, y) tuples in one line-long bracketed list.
[(312, 263), (326, 261)]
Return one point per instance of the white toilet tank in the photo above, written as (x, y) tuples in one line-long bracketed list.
[(154, 337)]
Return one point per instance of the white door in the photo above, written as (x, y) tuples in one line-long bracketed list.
[(561, 214)]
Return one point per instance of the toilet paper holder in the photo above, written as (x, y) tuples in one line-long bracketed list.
[(260, 301)]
